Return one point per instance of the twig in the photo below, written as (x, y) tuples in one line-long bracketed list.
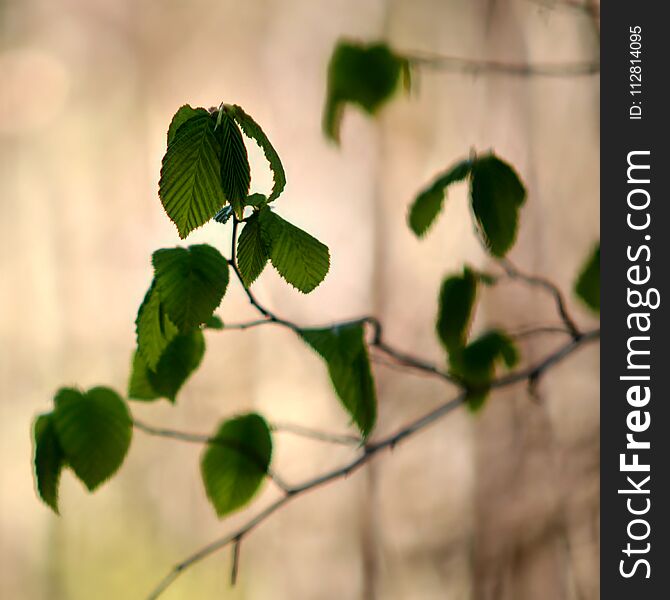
[(322, 436), (366, 455), (236, 561), (476, 67), (541, 282), (542, 330)]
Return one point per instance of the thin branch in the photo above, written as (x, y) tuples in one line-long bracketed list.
[(542, 330), (321, 436), (247, 324), (541, 282), (236, 561), (476, 67), (370, 450)]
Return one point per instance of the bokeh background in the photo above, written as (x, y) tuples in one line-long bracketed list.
[(501, 506)]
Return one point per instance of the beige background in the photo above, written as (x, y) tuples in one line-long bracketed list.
[(503, 506)]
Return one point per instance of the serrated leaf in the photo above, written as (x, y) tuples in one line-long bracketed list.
[(185, 113), (49, 460), (497, 195), (94, 430), (252, 250), (181, 358), (236, 462), (253, 130), (457, 297), (428, 203), (153, 327), (190, 184), (235, 170), (365, 75), (302, 260), (587, 286), (191, 283), (345, 352)]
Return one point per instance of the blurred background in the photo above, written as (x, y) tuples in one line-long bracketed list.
[(503, 505)]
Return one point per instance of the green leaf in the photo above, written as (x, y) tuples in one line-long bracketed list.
[(236, 462), (49, 460), (252, 250), (429, 202), (475, 364), (185, 113), (497, 195), (191, 283), (365, 75), (253, 130), (587, 286), (214, 322), (154, 328), (181, 358), (235, 170), (457, 298), (94, 430), (190, 184), (345, 352), (302, 260)]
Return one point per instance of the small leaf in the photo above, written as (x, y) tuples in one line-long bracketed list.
[(214, 322), (457, 297), (345, 352), (236, 462), (94, 430), (185, 113), (191, 283), (252, 250), (253, 130), (49, 460), (181, 358), (365, 75), (587, 286), (154, 328), (302, 260), (475, 364), (223, 216), (190, 183), (235, 170), (429, 202), (497, 195)]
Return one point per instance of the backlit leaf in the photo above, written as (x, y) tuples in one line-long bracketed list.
[(49, 460), (154, 328), (235, 170)]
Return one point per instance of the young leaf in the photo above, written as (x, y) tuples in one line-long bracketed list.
[(181, 358), (235, 170), (345, 352), (191, 283), (49, 460), (366, 75), (236, 461), (185, 113), (302, 260), (190, 184), (253, 130), (429, 202), (587, 286), (475, 364), (154, 328), (252, 250), (457, 297), (94, 430), (497, 195), (214, 322)]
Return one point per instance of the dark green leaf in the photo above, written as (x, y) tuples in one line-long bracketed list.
[(191, 283), (497, 195), (457, 298), (214, 322), (345, 352), (429, 202), (365, 75), (236, 462), (185, 113), (475, 364), (252, 250), (154, 328), (253, 130), (94, 430), (587, 286), (190, 184), (235, 170), (49, 460), (181, 358), (302, 260)]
